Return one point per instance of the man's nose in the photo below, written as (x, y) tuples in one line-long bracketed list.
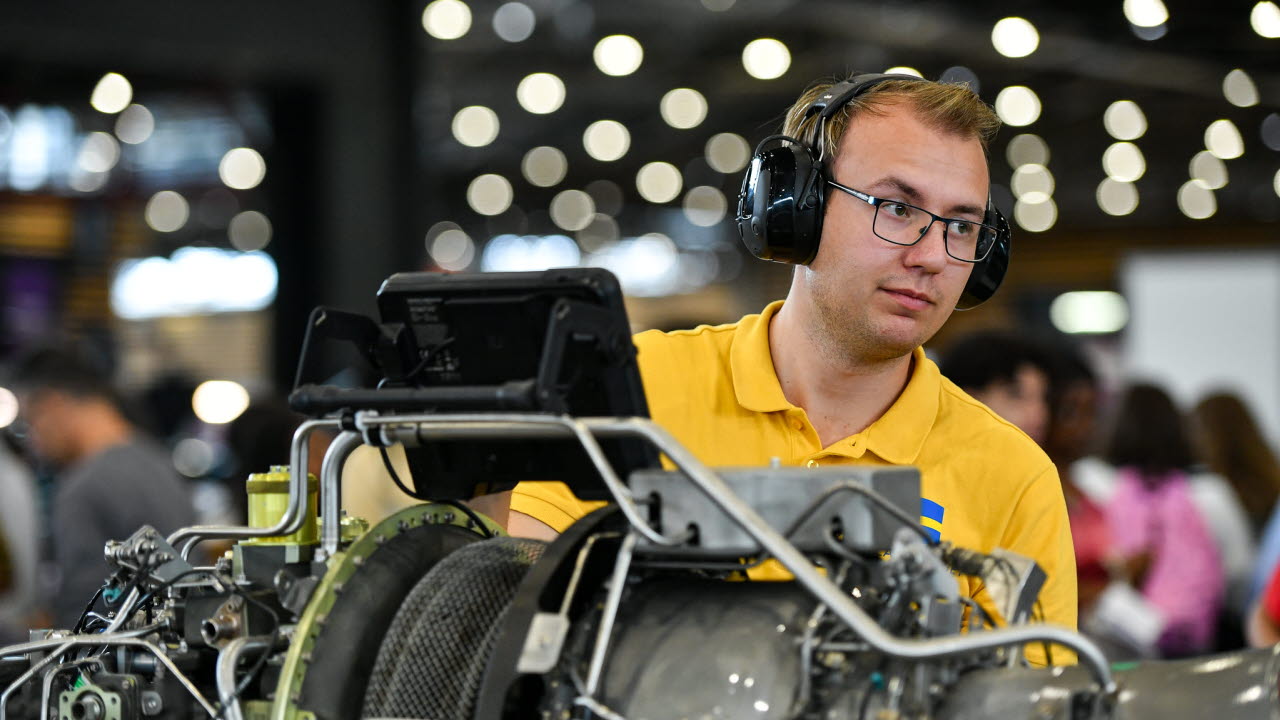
[(930, 251)]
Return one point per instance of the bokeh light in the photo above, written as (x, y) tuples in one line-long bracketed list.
[(1208, 169), (218, 402), (1027, 149), (1222, 138), (727, 152), (544, 166), (766, 59), (135, 124), (446, 19), (1196, 201), (1123, 161), (1239, 89), (475, 126), (489, 194), (249, 230), (658, 182), (683, 108), (166, 211), (1018, 105), (1015, 37), (540, 93), (705, 206), (112, 94), (618, 55), (606, 140), (452, 249), (242, 168), (1124, 120), (514, 22), (1116, 197)]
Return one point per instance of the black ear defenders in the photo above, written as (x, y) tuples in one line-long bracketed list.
[(783, 197)]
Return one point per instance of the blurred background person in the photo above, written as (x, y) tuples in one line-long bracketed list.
[(110, 478), (20, 533), (1166, 576), (1005, 372), (1233, 446)]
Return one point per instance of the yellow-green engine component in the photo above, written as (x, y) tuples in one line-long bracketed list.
[(268, 500)]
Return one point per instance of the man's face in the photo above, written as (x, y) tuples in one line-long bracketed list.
[(45, 413), (1023, 401), (874, 300)]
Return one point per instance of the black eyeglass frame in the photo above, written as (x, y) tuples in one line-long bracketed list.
[(876, 202)]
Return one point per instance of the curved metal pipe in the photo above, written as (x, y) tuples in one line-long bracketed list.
[(294, 514), (228, 658), (331, 490)]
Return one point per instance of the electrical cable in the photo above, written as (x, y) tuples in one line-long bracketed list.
[(481, 527)]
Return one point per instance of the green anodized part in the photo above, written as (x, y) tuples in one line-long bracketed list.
[(342, 566)]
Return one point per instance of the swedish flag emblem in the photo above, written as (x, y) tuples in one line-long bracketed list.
[(931, 518)]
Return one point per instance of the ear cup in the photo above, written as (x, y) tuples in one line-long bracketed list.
[(780, 205), (986, 276)]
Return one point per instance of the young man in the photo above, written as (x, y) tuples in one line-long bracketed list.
[(111, 478), (835, 375)]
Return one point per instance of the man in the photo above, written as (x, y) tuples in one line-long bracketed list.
[(1006, 373), (111, 479), (835, 375)]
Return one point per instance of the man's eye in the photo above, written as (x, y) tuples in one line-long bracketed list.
[(961, 228), (897, 210)]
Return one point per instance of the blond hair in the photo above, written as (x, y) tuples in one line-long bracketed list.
[(950, 108)]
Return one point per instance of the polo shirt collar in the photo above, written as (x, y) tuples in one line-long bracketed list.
[(755, 383), (900, 433), (896, 437)]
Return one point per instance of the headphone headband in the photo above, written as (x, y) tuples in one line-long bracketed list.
[(783, 197)]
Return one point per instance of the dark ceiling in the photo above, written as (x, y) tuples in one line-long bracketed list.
[(1088, 57)]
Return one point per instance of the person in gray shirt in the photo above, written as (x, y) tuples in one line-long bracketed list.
[(111, 478)]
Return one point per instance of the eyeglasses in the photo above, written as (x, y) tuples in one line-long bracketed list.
[(905, 224)]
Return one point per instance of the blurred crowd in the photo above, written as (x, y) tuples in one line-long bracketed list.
[(1173, 510)]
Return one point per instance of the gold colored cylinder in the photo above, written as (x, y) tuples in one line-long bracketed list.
[(268, 501)]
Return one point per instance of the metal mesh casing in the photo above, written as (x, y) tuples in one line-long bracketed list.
[(433, 658)]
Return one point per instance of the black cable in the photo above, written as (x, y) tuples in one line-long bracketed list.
[(481, 527), (87, 608)]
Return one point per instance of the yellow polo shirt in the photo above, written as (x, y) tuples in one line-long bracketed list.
[(984, 483)]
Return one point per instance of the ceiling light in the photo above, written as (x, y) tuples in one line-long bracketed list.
[(658, 182), (1015, 37), (705, 206), (1094, 311), (489, 194), (135, 124), (1124, 120), (452, 250), (1209, 169), (112, 94), (1265, 19), (1145, 13), (249, 230), (683, 108), (540, 93), (599, 233), (1027, 149), (1037, 216), (572, 210), (727, 152), (1032, 183), (606, 140), (514, 22), (1270, 131), (99, 153), (219, 401), (766, 59), (904, 70), (446, 19), (618, 55), (960, 75), (8, 407), (1222, 138), (166, 211), (544, 166), (1239, 89), (242, 168), (1196, 201), (1123, 161), (1116, 197), (475, 126), (1018, 105)]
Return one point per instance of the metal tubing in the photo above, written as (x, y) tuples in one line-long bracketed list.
[(64, 644), (773, 542), (610, 612), (47, 690), (294, 513), (228, 657), (331, 490)]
